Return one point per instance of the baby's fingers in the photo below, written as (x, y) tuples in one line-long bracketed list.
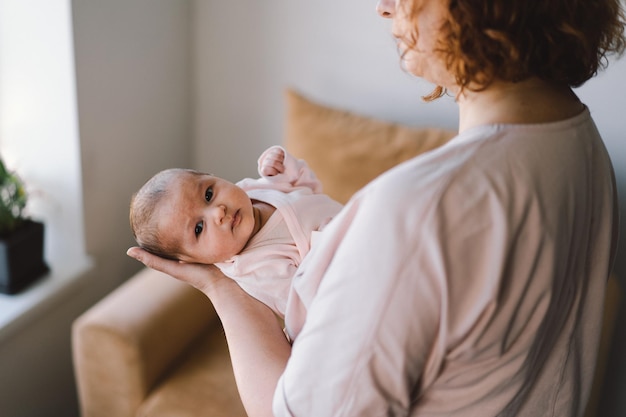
[(273, 162)]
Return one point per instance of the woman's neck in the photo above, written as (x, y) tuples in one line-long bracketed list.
[(527, 102)]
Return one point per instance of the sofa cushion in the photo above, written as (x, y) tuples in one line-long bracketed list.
[(124, 344), (202, 384), (347, 150)]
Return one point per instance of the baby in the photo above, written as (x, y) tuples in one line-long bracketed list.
[(256, 231)]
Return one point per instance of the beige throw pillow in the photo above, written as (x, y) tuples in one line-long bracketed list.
[(347, 150)]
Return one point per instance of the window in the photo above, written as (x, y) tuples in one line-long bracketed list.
[(39, 138)]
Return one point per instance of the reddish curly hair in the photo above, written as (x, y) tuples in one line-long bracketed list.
[(560, 41)]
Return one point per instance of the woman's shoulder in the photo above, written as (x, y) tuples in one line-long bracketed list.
[(487, 170), (488, 163), (428, 177)]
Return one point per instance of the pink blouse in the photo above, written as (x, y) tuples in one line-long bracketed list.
[(467, 281)]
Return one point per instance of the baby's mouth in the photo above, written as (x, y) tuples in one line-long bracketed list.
[(236, 220)]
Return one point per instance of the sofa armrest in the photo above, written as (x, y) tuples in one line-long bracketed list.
[(124, 343)]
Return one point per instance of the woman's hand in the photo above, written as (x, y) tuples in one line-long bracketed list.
[(202, 277)]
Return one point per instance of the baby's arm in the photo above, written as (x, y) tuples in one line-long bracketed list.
[(279, 167)]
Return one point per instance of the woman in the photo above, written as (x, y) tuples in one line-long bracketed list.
[(468, 281)]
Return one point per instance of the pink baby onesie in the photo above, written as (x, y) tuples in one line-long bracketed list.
[(267, 264)]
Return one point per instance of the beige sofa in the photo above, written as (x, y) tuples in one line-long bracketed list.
[(154, 347)]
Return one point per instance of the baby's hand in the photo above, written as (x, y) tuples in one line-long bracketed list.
[(273, 163)]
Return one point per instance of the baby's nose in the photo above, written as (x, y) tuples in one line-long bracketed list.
[(219, 213)]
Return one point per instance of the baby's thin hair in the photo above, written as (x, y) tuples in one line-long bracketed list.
[(143, 206)]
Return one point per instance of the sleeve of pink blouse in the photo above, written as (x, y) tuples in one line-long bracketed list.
[(371, 327)]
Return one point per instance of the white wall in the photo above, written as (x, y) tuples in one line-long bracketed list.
[(134, 78)]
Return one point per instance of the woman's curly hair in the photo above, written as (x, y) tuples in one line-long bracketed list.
[(561, 41)]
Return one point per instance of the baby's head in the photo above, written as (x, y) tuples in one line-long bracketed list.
[(191, 216), (145, 211)]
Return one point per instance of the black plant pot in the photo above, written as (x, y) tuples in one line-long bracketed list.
[(21, 257)]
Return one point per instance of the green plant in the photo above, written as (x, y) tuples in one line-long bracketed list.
[(13, 199)]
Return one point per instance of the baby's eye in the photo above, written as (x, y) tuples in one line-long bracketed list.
[(199, 228), (208, 194)]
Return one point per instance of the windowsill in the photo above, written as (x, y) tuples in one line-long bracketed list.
[(18, 309)]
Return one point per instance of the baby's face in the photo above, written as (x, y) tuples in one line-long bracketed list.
[(209, 218)]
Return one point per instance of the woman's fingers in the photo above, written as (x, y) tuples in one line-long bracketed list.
[(197, 275), (150, 260)]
